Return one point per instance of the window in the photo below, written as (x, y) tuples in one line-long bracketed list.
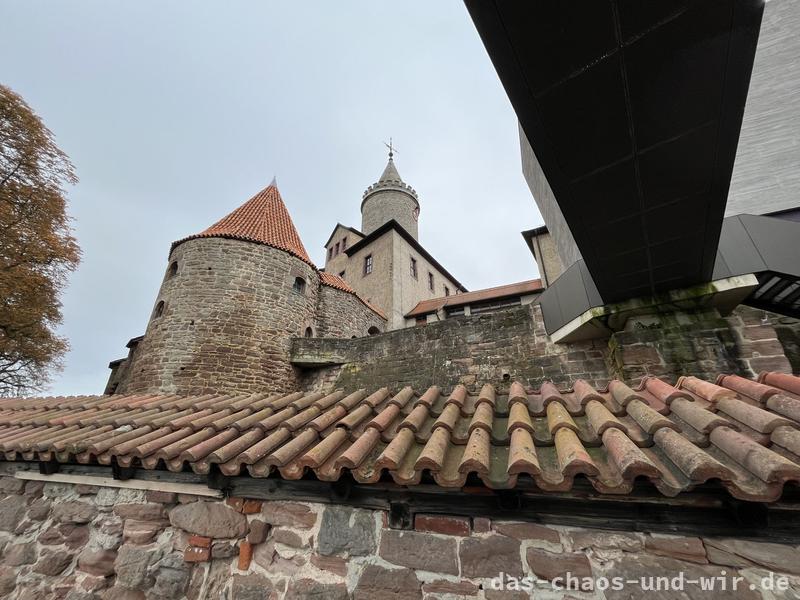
[(344, 243), (309, 332), (159, 309), (414, 268), (373, 331), (446, 291), (173, 270), (368, 264), (299, 285), (341, 274), (330, 253), (430, 281), (336, 252)]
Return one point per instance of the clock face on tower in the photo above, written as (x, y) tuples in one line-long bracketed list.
[(416, 214)]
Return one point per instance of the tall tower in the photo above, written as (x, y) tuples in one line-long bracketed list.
[(232, 298), (390, 198)]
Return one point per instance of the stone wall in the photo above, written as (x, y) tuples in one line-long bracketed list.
[(342, 315), (79, 542), (228, 316), (497, 348), (511, 344)]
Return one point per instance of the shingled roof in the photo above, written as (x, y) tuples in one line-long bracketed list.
[(263, 219), (741, 433)]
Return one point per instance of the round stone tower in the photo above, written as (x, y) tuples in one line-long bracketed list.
[(390, 198), (232, 298)]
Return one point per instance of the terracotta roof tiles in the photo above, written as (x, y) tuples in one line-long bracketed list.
[(745, 435), (263, 219)]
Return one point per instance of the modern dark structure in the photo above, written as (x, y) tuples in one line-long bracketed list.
[(629, 115)]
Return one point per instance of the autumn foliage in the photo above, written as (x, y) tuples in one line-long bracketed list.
[(37, 250)]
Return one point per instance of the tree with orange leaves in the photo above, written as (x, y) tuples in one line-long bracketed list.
[(37, 249)]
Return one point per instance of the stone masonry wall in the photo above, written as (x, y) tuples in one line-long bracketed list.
[(511, 344), (342, 315), (228, 316), (79, 542)]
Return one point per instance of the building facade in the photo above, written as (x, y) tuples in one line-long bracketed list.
[(384, 261)]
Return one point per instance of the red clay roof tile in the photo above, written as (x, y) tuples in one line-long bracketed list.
[(263, 219), (747, 437)]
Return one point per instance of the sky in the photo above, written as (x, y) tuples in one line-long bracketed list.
[(175, 113)]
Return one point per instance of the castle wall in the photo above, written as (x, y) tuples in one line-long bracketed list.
[(228, 316), (385, 205), (82, 542), (342, 315), (375, 288), (511, 344)]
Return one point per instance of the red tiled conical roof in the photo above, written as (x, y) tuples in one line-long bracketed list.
[(263, 219)]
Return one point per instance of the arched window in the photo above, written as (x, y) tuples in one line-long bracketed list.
[(373, 330), (159, 309), (309, 332), (172, 270), (299, 285)]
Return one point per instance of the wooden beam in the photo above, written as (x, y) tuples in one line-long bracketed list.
[(129, 484)]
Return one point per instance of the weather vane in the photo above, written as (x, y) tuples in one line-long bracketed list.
[(391, 148)]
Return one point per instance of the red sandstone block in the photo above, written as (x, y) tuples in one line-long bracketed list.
[(245, 555), (251, 507), (235, 503), (194, 554), (199, 541), (440, 524)]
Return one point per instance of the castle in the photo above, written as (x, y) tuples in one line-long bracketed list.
[(235, 295)]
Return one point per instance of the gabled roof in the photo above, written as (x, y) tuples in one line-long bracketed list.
[(338, 283), (737, 434), (338, 225), (263, 219), (496, 293), (394, 225)]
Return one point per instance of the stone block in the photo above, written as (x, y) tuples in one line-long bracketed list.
[(258, 531), (420, 551), (150, 511), (288, 538), (481, 525), (334, 564), (527, 531), (441, 587), (606, 540), (682, 548), (39, 509), (132, 566), (11, 485), (53, 563), (141, 532), (442, 524), (311, 589), (16, 555), (209, 519), (487, 557), (782, 558), (245, 555), (223, 549), (252, 587), (199, 541), (12, 512), (74, 512), (377, 583), (549, 565), (289, 514), (97, 562), (346, 530), (161, 497)]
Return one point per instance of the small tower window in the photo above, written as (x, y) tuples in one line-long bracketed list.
[(373, 330), (159, 309), (368, 264), (446, 291), (414, 268), (330, 253), (299, 285), (172, 270), (341, 274), (344, 243), (336, 252), (430, 281), (309, 332)]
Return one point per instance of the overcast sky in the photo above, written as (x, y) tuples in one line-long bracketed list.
[(174, 113)]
